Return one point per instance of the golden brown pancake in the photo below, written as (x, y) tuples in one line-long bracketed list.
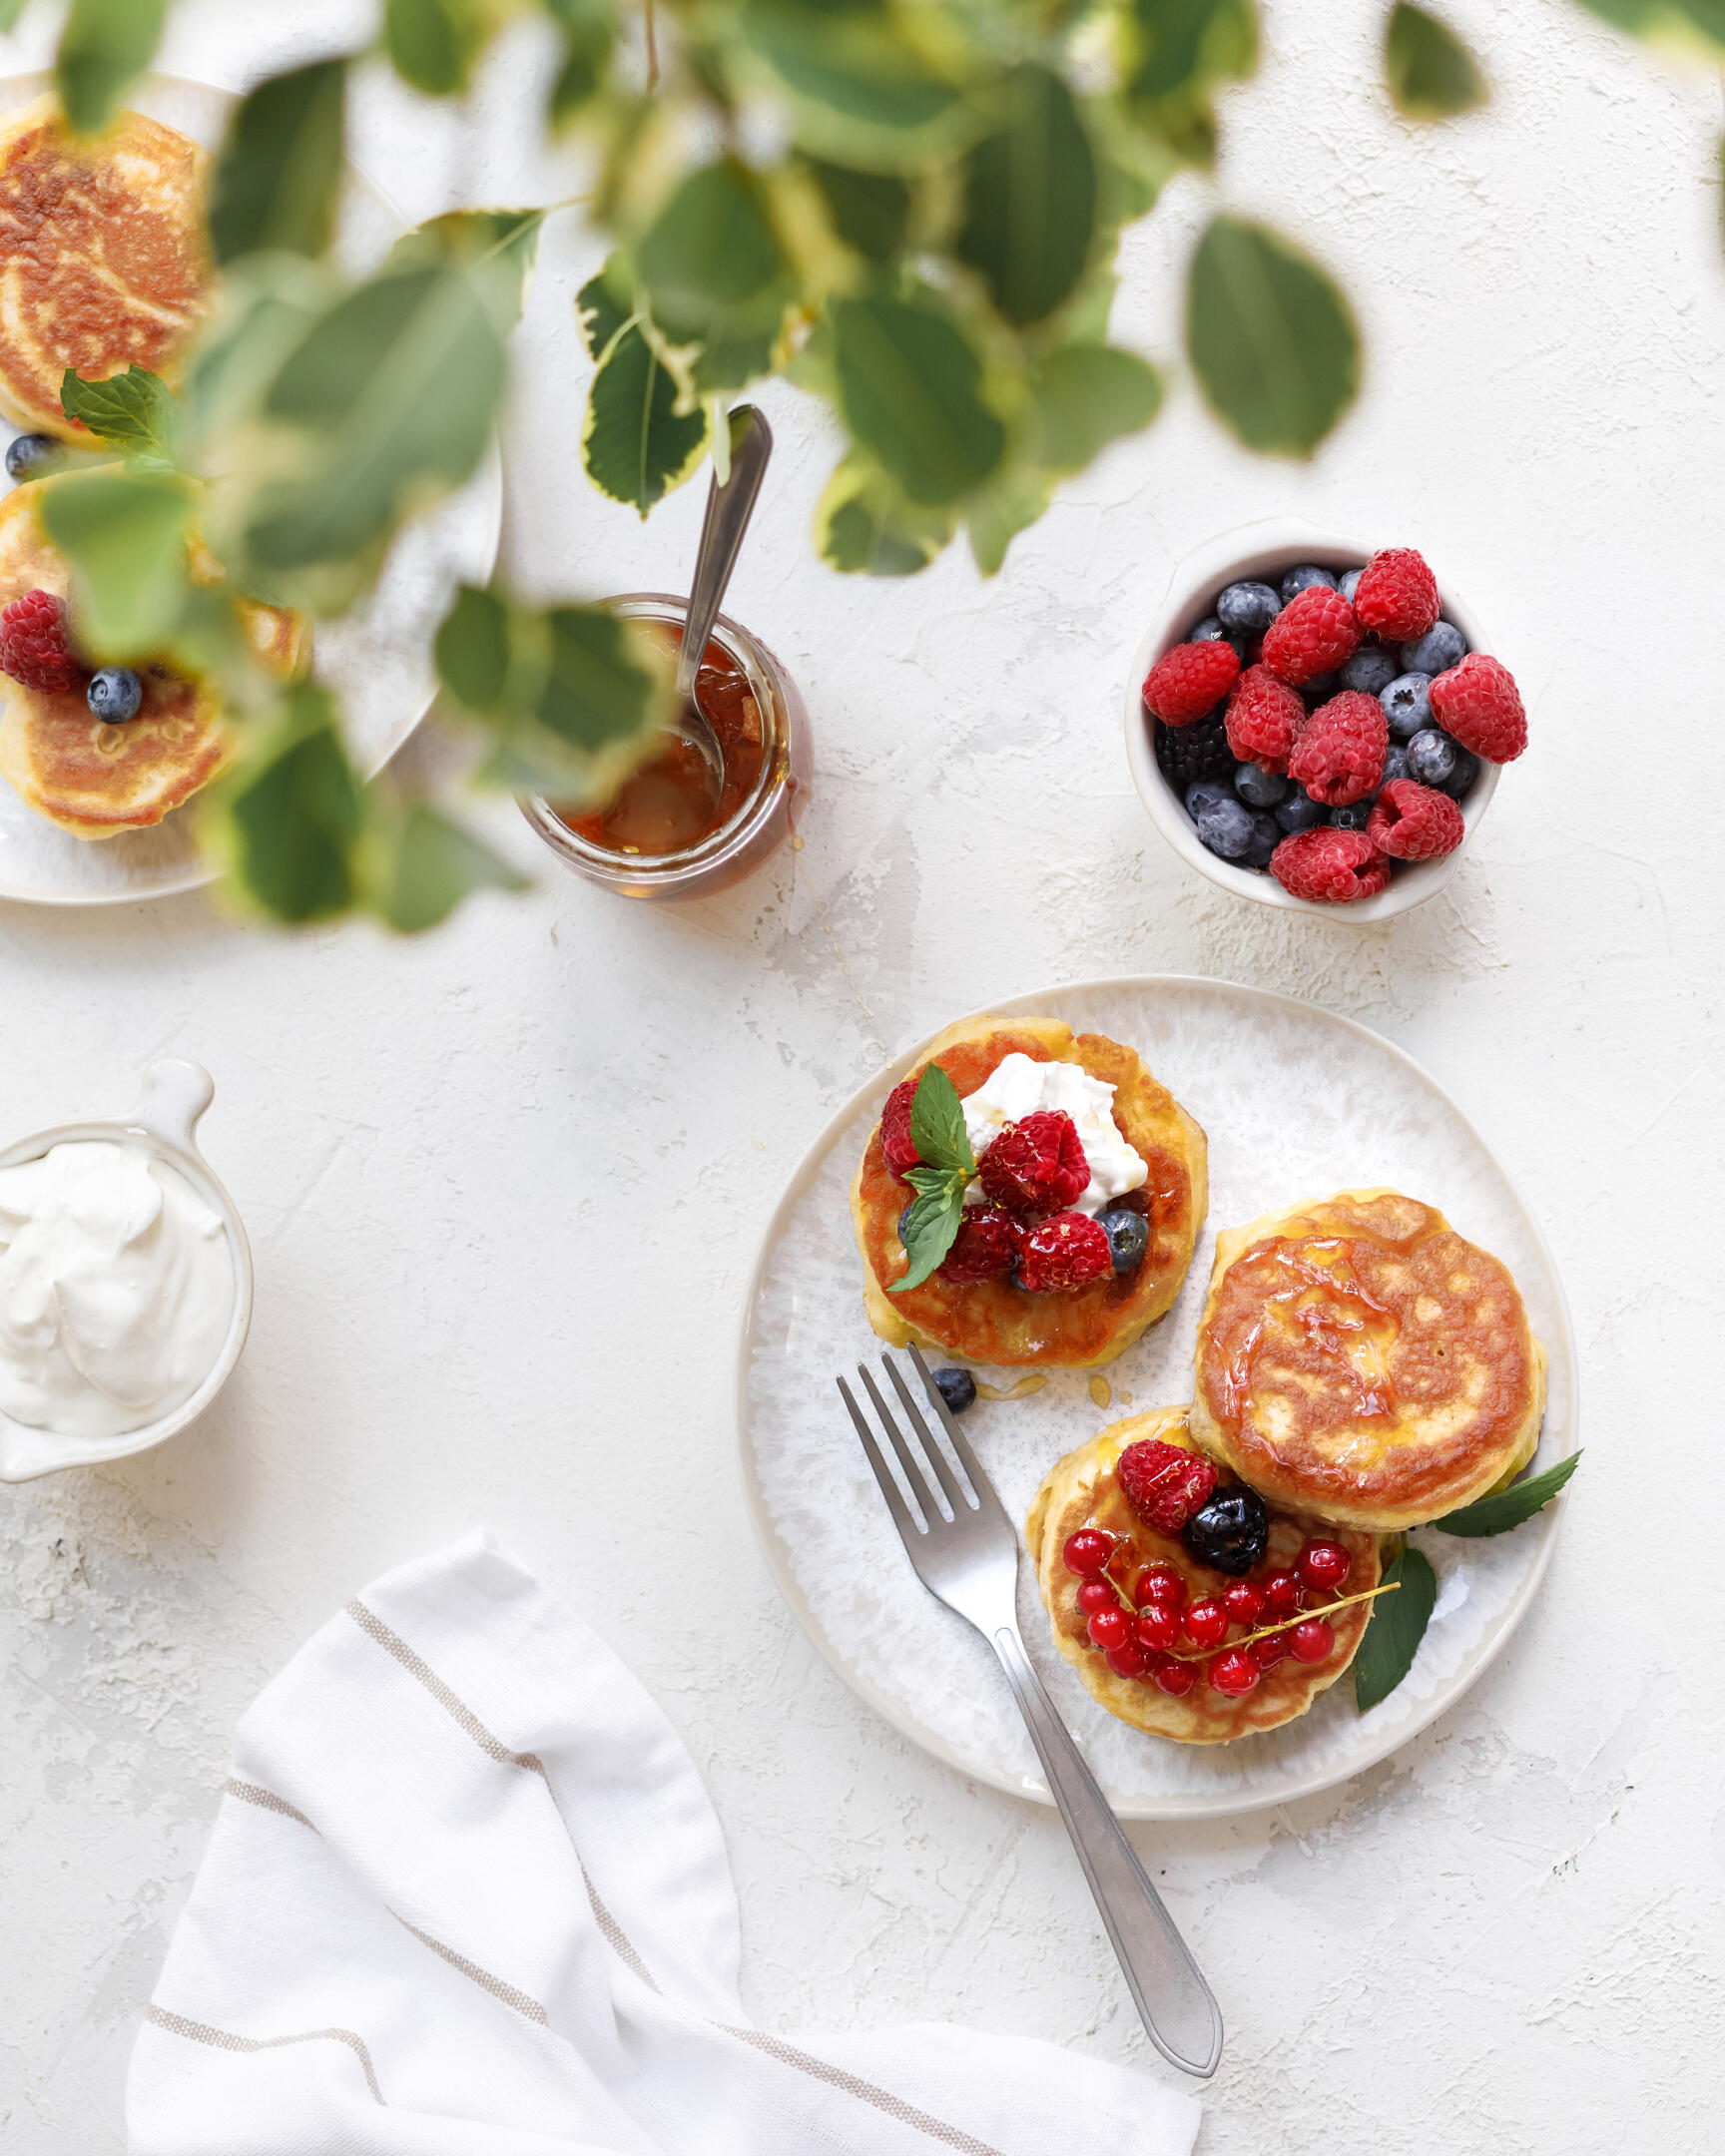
[(102, 256), (1082, 1491), (993, 1321), (96, 780), (1360, 1360)]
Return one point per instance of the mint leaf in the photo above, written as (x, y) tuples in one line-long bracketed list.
[(937, 1124), (933, 1218), (1397, 1627), (1507, 1509), (132, 412)]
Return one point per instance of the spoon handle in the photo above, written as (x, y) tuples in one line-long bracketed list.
[(728, 508)]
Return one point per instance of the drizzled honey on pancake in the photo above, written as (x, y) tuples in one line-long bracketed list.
[(102, 258), (1359, 1359)]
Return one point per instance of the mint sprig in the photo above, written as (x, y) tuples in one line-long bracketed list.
[(1507, 1509), (939, 1179), (134, 412)]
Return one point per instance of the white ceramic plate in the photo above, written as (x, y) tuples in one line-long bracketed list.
[(378, 659), (1296, 1101)]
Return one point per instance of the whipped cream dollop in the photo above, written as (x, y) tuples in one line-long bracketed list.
[(116, 1287), (1019, 1086)]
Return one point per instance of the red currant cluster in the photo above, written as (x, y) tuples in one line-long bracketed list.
[(1144, 1626)]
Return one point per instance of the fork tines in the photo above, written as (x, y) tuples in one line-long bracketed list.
[(944, 1494)]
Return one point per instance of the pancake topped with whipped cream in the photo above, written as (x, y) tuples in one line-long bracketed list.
[(1150, 1158), (1360, 1360), (103, 262)]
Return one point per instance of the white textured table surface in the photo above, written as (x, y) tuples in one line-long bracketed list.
[(505, 1184)]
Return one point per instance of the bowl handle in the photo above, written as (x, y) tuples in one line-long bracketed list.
[(173, 1096)]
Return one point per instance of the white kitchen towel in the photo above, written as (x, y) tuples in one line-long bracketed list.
[(466, 1897)]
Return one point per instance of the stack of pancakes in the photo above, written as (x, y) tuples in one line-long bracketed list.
[(102, 265)]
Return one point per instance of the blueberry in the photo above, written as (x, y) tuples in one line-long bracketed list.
[(1370, 672), (1226, 827), (904, 1223), (1395, 764), (1265, 838), (1205, 793), (1248, 609), (1467, 770), (1211, 631), (1258, 788), (1300, 811), (114, 694), (1350, 584), (956, 1388), (1128, 1235), (1432, 758), (1187, 754), (1355, 816), (1436, 651), (1302, 578), (1231, 1532), (1408, 705), (1320, 689), (30, 455)]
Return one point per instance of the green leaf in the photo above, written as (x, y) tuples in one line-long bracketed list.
[(277, 175), (864, 526), (1271, 338), (419, 866), (384, 404), (1395, 1628), (1010, 503), (712, 263), (861, 88), (636, 446), (603, 308), (910, 387), (104, 48), (588, 28), (495, 247), (937, 1124), (1507, 1509), (1178, 53), (870, 212), (434, 44), (285, 822), (1689, 24), (132, 412), (1031, 200), (1086, 397), (124, 534), (930, 1223), (265, 306), (10, 10), (1432, 75), (473, 650)]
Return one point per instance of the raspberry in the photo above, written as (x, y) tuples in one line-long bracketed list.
[(1339, 757), (1036, 1166), (1312, 634), (1190, 753), (983, 1249), (1330, 867), (1264, 715), (1066, 1251), (1477, 702), (1189, 681), (1396, 596), (1164, 1484), (34, 648), (1410, 822), (896, 1141)]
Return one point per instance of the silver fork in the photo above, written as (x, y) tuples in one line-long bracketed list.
[(966, 1552)]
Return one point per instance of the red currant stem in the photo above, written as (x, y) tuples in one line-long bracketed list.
[(1122, 1592), (1304, 1617)]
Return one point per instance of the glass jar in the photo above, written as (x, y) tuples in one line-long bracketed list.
[(763, 821)]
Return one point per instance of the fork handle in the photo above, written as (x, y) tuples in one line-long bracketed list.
[(1179, 2012)]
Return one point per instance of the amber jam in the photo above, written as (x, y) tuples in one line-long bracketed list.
[(665, 837), (668, 804)]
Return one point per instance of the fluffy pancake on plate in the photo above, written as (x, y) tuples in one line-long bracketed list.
[(1086, 1491), (1358, 1359), (103, 262), (90, 777), (994, 1321)]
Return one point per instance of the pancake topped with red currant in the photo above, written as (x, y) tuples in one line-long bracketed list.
[(1360, 1360), (101, 750), (1078, 1222), (1188, 1606), (102, 263)]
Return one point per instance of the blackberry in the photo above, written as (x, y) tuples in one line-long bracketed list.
[(1231, 1532), (1190, 753)]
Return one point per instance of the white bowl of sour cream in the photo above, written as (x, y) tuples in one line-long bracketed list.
[(125, 1281)]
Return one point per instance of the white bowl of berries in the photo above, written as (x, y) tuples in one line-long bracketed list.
[(1294, 745)]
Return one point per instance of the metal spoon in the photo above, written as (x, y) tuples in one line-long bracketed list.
[(728, 508)]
